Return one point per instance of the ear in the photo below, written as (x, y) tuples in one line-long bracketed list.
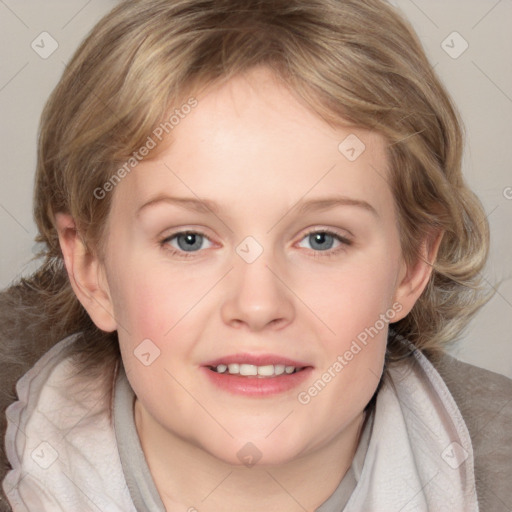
[(86, 274), (414, 279)]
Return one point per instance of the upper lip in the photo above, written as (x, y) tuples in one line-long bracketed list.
[(256, 360)]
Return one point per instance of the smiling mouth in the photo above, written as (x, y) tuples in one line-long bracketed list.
[(250, 370)]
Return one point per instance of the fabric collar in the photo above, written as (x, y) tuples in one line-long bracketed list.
[(61, 444), (420, 456), (137, 474)]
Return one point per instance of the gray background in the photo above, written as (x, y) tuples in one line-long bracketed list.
[(479, 79)]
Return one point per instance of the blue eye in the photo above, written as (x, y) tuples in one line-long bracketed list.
[(323, 241), (187, 242)]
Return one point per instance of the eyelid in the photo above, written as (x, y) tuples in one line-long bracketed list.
[(187, 232), (343, 235), (344, 241)]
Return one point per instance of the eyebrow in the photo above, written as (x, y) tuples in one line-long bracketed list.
[(302, 206)]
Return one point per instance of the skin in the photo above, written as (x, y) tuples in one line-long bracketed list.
[(252, 147)]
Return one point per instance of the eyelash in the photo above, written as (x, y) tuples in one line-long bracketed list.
[(345, 242)]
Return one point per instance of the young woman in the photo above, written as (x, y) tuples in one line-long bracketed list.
[(259, 242)]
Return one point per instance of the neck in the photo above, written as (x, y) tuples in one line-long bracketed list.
[(302, 484)]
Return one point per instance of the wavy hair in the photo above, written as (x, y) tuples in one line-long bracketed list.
[(355, 61)]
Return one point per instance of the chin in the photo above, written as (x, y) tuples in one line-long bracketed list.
[(256, 452)]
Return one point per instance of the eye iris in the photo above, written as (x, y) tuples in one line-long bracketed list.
[(192, 241), (321, 238)]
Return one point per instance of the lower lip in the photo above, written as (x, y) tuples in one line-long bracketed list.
[(257, 386)]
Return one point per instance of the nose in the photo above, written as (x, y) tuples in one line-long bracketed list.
[(257, 296)]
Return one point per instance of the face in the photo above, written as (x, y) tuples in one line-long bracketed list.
[(265, 241)]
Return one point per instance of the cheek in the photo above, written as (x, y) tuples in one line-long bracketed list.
[(355, 311), (151, 298), (350, 300), (354, 307)]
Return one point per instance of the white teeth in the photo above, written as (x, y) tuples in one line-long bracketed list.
[(234, 368), (248, 370), (266, 371), (279, 369)]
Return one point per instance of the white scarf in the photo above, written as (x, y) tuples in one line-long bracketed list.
[(420, 456), (62, 446)]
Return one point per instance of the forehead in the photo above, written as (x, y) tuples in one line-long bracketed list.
[(252, 139)]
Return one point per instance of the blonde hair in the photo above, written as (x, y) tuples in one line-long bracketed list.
[(349, 60)]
